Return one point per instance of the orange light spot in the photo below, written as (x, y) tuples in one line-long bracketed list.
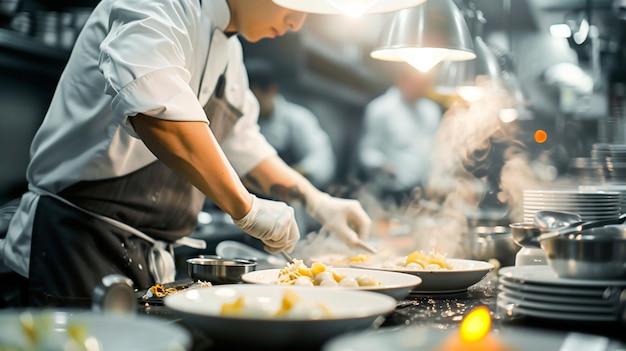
[(541, 136), (476, 325)]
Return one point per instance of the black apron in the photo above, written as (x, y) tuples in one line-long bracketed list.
[(73, 247)]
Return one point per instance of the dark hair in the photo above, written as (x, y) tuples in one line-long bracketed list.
[(261, 73)]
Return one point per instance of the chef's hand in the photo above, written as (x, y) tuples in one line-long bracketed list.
[(272, 222), (343, 217)]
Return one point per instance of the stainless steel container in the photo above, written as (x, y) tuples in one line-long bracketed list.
[(219, 270), (597, 253), (495, 243)]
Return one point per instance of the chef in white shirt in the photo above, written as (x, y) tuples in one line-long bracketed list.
[(398, 131), (293, 130), (151, 114)]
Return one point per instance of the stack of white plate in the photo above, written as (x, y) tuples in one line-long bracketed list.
[(591, 205), (537, 291), (621, 188), (616, 162)]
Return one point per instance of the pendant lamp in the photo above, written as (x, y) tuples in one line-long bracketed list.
[(469, 79), (425, 35), (351, 8)]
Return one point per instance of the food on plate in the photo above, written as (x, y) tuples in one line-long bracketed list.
[(319, 274), (418, 260), (292, 306), (159, 290), (39, 332)]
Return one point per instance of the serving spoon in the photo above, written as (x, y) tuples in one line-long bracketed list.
[(578, 227)]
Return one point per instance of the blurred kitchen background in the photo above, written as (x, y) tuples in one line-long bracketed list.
[(568, 90)]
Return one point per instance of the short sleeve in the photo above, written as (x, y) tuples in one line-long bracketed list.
[(145, 59)]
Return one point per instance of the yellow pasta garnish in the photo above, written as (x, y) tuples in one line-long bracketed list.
[(358, 258)]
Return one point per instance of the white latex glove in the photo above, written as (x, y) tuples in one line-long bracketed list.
[(272, 222), (344, 217)]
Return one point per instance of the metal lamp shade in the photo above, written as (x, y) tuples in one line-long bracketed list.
[(343, 6), (476, 73), (435, 25)]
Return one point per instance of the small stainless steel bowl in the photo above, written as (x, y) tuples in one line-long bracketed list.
[(525, 234), (597, 253), (219, 270)]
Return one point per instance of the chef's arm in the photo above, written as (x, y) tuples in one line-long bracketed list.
[(187, 148), (343, 217)]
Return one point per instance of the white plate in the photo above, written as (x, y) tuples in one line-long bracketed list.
[(558, 306), (464, 273), (351, 310), (558, 298), (396, 285), (420, 338), (549, 293), (544, 274), (511, 309), (113, 332)]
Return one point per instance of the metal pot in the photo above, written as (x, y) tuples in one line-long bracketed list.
[(597, 253), (495, 243), (219, 270)]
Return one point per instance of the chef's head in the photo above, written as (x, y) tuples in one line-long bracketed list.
[(263, 84), (258, 19)]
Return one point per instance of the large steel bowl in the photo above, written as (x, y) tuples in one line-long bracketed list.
[(495, 243), (597, 253), (219, 270)]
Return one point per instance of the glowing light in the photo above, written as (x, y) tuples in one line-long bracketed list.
[(560, 30), (470, 93), (476, 325), (353, 8), (508, 115), (423, 59), (541, 136)]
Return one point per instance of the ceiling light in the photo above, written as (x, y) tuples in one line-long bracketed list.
[(352, 8), (426, 35)]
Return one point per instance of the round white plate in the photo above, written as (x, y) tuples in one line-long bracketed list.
[(512, 309), (571, 291), (396, 285), (351, 310), (421, 338), (558, 306), (548, 298), (544, 274), (464, 273), (112, 332)]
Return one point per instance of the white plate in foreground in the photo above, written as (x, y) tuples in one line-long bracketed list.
[(396, 285), (351, 310), (420, 338), (111, 332), (464, 273)]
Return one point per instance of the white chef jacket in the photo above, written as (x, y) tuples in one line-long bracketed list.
[(296, 134), (134, 56), (400, 135)]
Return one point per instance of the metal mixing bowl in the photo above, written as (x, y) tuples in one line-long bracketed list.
[(597, 253), (525, 234), (219, 270)]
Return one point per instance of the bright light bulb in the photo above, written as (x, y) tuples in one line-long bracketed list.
[(423, 59), (352, 8), (470, 93)]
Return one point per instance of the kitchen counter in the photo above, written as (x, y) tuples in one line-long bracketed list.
[(442, 311)]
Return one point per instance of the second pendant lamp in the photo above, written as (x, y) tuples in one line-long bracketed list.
[(425, 35)]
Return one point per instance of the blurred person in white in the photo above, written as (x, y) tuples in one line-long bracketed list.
[(151, 115), (292, 129), (398, 130)]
